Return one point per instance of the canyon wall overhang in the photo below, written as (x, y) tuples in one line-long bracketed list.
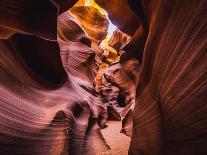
[(48, 65)]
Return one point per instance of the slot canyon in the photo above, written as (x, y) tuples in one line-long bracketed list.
[(103, 77)]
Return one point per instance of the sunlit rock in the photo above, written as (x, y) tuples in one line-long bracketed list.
[(64, 71), (94, 23)]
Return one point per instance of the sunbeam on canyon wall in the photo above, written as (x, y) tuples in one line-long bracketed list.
[(103, 77)]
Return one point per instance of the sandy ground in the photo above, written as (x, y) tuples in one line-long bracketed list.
[(118, 142)]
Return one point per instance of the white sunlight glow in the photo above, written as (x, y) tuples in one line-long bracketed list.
[(111, 28)]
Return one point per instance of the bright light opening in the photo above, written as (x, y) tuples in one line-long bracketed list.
[(104, 44), (87, 3)]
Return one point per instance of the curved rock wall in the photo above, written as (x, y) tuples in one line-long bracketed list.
[(170, 110), (43, 111), (48, 74)]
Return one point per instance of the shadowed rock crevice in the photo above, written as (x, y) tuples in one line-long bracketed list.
[(71, 82)]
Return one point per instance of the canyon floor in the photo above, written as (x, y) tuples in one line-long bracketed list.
[(118, 142)]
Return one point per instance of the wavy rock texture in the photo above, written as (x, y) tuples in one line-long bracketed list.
[(123, 76), (119, 40), (175, 78), (54, 91), (94, 23), (170, 111), (42, 110), (120, 81), (16, 16), (79, 62), (39, 120)]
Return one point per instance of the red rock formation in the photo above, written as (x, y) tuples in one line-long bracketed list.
[(176, 87), (124, 77), (38, 119), (48, 102), (119, 40), (120, 14), (25, 16), (159, 125), (92, 21), (170, 111), (78, 61), (42, 110)]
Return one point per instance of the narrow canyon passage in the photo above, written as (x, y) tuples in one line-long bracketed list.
[(118, 142), (107, 54), (103, 77)]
